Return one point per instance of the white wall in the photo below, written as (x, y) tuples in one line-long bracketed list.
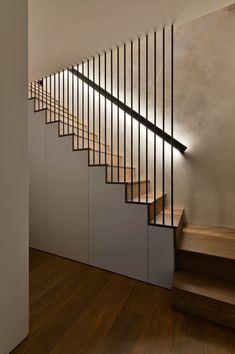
[(76, 29), (58, 191), (13, 175)]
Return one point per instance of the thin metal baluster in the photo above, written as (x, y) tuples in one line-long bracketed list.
[(155, 122), (37, 102), (99, 116), (73, 103), (163, 125), (124, 113), (83, 107), (139, 63), (38, 96), (42, 93), (118, 114), (63, 98), (147, 72), (94, 113), (54, 98), (78, 119), (105, 106), (88, 109), (172, 124), (111, 76), (46, 93), (59, 97), (131, 121), (50, 98), (68, 115)]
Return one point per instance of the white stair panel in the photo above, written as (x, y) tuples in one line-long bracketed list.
[(117, 231)]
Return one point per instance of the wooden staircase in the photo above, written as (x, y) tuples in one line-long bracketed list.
[(205, 256), (100, 155), (204, 283)]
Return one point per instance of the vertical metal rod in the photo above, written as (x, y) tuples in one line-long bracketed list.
[(59, 96), (172, 124), (73, 103), (105, 106), (50, 98), (94, 113), (139, 63), (155, 122), (83, 118), (88, 110), (163, 125), (78, 115), (54, 98), (125, 113), (63, 98), (68, 122), (42, 84), (46, 98), (42, 93), (132, 121), (118, 114), (146, 97), (99, 118), (111, 77)]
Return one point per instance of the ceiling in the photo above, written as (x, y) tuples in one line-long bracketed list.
[(63, 32)]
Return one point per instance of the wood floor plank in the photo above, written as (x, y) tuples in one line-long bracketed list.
[(156, 333), (188, 336), (123, 334), (88, 332), (78, 309), (218, 339)]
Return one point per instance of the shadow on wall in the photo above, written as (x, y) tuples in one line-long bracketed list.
[(204, 90)]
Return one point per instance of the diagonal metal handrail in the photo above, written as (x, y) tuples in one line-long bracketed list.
[(156, 130)]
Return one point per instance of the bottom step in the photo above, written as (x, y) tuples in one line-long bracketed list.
[(205, 297)]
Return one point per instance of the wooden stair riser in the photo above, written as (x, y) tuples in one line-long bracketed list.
[(201, 306), (134, 189), (216, 267), (97, 158), (65, 130), (157, 208), (115, 174), (80, 143)]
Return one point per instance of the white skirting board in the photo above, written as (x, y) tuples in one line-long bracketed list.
[(75, 214)]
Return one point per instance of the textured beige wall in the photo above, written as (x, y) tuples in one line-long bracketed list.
[(205, 112), (63, 32), (13, 175)]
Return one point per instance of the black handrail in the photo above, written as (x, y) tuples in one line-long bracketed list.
[(156, 130)]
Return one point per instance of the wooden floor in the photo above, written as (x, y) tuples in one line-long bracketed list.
[(78, 309)]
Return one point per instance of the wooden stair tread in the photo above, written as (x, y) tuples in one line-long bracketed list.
[(143, 198), (211, 230), (218, 242), (177, 212), (205, 286)]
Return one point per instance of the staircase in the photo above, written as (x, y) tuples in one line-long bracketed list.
[(82, 106), (204, 282)]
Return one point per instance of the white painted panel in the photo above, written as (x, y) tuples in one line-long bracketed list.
[(161, 256), (37, 178), (117, 231), (67, 197), (14, 207)]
